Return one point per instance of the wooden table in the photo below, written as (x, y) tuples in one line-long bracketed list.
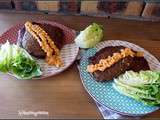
[(63, 95)]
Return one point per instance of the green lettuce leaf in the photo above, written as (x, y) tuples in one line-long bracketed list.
[(141, 78), (17, 61), (5, 57), (143, 86), (89, 37)]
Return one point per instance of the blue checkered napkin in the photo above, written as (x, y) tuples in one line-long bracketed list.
[(106, 113)]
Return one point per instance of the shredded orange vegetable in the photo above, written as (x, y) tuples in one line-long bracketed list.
[(109, 61), (46, 43)]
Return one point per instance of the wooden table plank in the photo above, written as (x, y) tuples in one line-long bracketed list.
[(63, 95)]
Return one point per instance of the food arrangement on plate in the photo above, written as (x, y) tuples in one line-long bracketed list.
[(42, 41), (122, 76), (129, 70), (119, 68), (41, 49), (110, 70)]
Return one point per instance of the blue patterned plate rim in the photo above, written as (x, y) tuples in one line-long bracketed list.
[(122, 113), (98, 101)]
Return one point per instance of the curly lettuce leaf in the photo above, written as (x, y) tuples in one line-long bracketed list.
[(17, 61)]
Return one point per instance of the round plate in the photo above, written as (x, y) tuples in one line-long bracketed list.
[(69, 51), (104, 93)]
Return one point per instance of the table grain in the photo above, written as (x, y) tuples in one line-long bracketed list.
[(63, 95)]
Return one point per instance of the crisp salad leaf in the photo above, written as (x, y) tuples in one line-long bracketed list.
[(89, 37), (143, 86), (17, 61), (5, 57)]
